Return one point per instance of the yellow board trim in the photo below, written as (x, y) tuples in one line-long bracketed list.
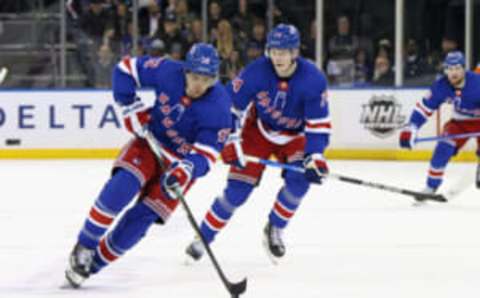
[(357, 154)]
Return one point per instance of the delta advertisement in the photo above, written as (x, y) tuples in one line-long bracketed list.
[(89, 119)]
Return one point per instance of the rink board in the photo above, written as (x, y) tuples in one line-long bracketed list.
[(87, 124)]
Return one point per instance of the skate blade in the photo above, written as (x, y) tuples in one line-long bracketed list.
[(273, 259)]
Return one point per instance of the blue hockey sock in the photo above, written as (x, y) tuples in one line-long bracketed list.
[(288, 199), (442, 154), (129, 231), (223, 207), (115, 195)]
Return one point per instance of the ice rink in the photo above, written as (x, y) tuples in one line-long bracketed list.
[(345, 241)]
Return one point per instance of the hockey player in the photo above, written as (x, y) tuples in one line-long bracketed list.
[(462, 88), (280, 101), (189, 138)]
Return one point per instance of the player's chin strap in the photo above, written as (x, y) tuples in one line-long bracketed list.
[(424, 196), (235, 289)]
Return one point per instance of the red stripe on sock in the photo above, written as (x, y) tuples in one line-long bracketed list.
[(106, 253), (284, 212), (214, 222), (100, 218)]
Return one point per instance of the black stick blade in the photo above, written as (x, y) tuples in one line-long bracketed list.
[(237, 288), (433, 197)]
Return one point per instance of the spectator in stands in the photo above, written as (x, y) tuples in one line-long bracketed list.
[(258, 34), (341, 51), (195, 34), (214, 14), (231, 66), (383, 74), (171, 34), (225, 46), (254, 50), (362, 68), (184, 17), (176, 51), (121, 19), (149, 19), (243, 20), (95, 21), (385, 49), (104, 66), (170, 6), (415, 64), (156, 48)]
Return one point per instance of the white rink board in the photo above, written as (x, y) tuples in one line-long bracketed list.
[(90, 120)]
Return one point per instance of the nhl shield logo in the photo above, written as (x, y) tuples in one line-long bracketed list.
[(382, 115)]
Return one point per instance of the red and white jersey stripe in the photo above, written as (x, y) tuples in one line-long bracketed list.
[(423, 109), (129, 66), (210, 153)]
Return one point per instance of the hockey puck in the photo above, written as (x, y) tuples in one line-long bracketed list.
[(13, 142)]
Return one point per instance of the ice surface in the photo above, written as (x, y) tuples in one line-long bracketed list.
[(345, 240)]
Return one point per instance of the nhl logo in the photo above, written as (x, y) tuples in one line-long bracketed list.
[(382, 115)]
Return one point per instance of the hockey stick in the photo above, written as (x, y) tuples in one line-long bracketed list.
[(448, 137), (418, 195), (235, 289)]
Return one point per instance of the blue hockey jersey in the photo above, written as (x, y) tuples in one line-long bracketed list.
[(194, 129), (285, 107), (466, 101)]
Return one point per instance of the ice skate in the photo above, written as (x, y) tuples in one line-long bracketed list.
[(80, 262), (194, 251), (420, 201), (273, 242)]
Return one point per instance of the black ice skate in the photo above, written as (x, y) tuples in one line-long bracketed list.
[(195, 250), (80, 262), (421, 200), (273, 242), (477, 177)]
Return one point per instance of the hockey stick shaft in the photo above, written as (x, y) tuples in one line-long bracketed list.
[(448, 137), (234, 289), (394, 189)]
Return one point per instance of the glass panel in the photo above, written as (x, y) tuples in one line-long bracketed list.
[(29, 43), (476, 36), (359, 42), (432, 29)]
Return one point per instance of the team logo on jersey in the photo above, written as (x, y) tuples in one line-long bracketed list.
[(382, 115), (237, 84)]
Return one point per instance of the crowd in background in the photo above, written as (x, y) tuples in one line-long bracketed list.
[(358, 45)]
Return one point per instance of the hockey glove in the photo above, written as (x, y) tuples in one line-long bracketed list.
[(408, 136), (316, 168), (232, 153), (136, 117), (177, 178)]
